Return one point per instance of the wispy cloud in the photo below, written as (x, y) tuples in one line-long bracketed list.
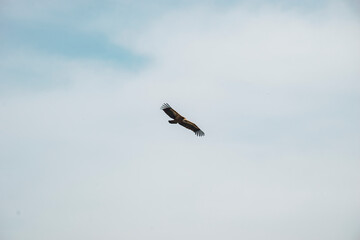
[(67, 42), (86, 152)]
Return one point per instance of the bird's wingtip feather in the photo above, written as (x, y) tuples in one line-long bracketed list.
[(200, 133), (164, 106)]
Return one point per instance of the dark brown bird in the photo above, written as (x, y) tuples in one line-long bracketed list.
[(181, 120)]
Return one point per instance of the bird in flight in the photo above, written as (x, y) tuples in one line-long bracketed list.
[(181, 120)]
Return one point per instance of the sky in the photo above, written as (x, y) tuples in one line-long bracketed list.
[(86, 152)]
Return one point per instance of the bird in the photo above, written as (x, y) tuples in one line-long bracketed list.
[(181, 120)]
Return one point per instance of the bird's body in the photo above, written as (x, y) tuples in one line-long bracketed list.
[(177, 118)]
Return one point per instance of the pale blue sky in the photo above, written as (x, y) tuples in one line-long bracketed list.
[(86, 153)]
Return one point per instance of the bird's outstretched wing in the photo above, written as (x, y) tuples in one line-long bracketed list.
[(192, 126), (169, 111)]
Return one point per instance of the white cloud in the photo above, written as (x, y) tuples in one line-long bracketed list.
[(235, 45), (275, 92)]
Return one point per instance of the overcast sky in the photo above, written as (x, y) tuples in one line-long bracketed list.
[(86, 152)]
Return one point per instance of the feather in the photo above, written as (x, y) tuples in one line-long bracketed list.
[(192, 126), (169, 111)]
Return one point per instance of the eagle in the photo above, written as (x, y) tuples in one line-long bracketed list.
[(181, 120)]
